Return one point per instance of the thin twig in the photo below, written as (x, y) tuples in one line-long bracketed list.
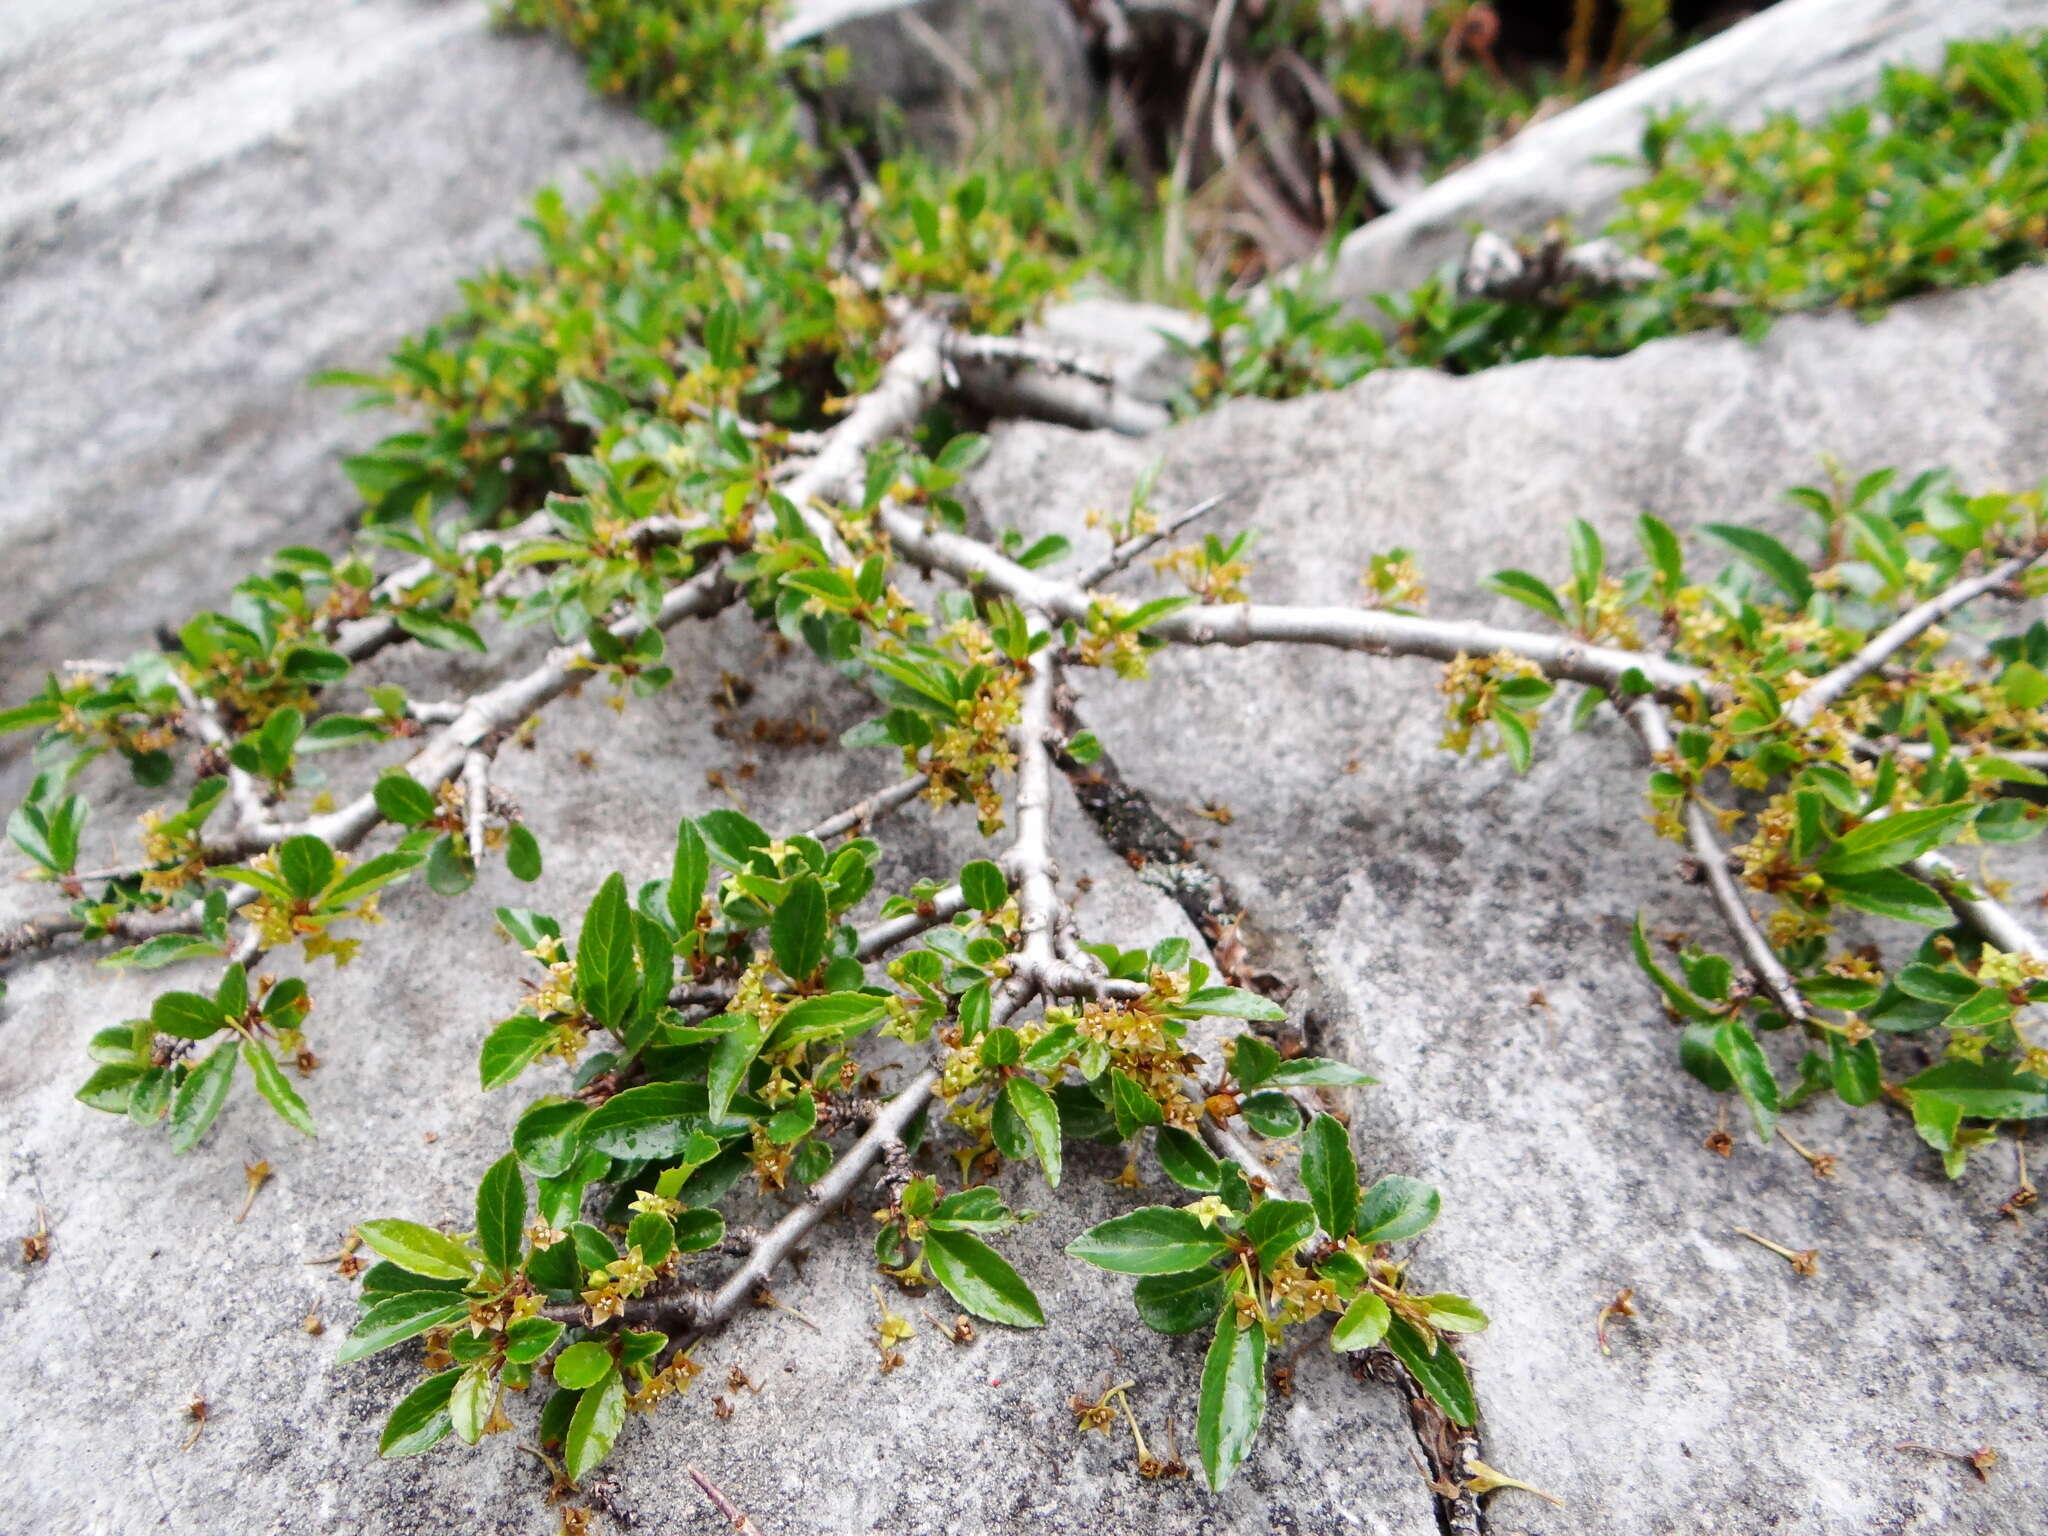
[(1991, 918), (1120, 558), (824, 1196), (894, 406), (861, 815), (252, 813), (1184, 154), (1358, 629), (476, 799), (1647, 717), (1901, 632), (740, 1521), (1019, 352)]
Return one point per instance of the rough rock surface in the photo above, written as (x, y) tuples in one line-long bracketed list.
[(1423, 902), (1416, 903), (1800, 56), (201, 204)]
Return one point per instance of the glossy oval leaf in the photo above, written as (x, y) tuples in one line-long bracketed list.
[(419, 1250), (1233, 1397), (981, 1279), (1041, 1117), (607, 980), (421, 1421), (501, 1213), (1180, 1303), (594, 1426), (276, 1088), (1329, 1172), (398, 1318), (200, 1096), (1154, 1240), (1397, 1208)]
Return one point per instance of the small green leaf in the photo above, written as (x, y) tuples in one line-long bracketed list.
[(509, 1049), (1894, 840), (980, 1279), (687, 879), (232, 997), (469, 1405), (1785, 569), (983, 885), (1133, 1107), (449, 871), (1041, 1117), (979, 1209), (1530, 591), (398, 1318), (1252, 1061), (1859, 1076), (800, 928), (1271, 1113), (607, 980), (111, 1087), (1363, 1324), (200, 1096), (1682, 1002), (794, 1120), (1277, 1228), (1441, 1375), (438, 631), (1180, 1303), (730, 1058), (1153, 1240), (1397, 1208), (835, 1016), (421, 1421), (731, 838), (1318, 1072), (1984, 1090), (1751, 1070), (187, 1016), (522, 852), (305, 864), (545, 1134), (418, 1250), (276, 1088), (598, 1418), (651, 1121), (1454, 1314), (1233, 1003), (1184, 1159), (1888, 893), (501, 1213), (582, 1365), (1233, 1397), (1330, 1174), (699, 1229), (530, 1338), (404, 801)]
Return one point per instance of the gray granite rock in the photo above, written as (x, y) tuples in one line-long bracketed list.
[(1799, 56), (201, 204), (1422, 902), (1416, 903), (147, 1263)]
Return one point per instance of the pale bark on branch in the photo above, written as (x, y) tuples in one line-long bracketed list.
[(1561, 658), (1647, 718), (1903, 631)]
